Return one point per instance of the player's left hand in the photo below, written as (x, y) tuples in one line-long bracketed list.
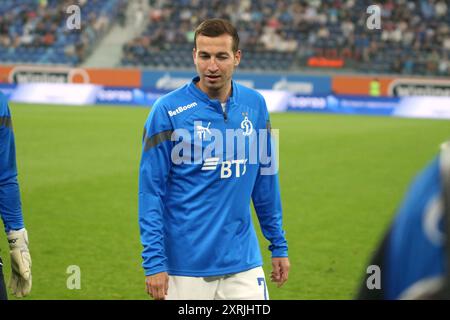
[(20, 282), (280, 270)]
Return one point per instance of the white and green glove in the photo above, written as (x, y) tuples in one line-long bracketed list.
[(20, 282)]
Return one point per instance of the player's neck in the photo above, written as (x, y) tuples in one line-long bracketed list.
[(221, 94)]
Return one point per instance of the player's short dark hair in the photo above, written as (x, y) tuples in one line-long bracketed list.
[(216, 28)]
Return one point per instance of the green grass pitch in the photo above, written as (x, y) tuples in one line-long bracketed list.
[(342, 178)]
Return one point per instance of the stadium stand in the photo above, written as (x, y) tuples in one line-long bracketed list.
[(283, 35), (35, 31)]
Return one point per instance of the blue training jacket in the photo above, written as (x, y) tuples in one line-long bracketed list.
[(194, 197), (10, 206), (415, 248)]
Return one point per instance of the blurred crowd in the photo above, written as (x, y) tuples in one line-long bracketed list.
[(414, 37), (36, 30)]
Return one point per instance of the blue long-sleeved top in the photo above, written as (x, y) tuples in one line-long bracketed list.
[(195, 189), (415, 250), (10, 206)]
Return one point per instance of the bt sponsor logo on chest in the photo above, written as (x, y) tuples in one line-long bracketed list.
[(226, 167)]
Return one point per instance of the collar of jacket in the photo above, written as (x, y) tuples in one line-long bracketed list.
[(214, 102)]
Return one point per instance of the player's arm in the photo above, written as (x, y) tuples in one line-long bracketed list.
[(10, 206), (267, 202), (153, 174), (11, 209)]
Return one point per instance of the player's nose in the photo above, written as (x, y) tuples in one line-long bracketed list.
[(212, 65)]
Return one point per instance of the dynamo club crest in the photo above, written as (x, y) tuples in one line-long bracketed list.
[(246, 126)]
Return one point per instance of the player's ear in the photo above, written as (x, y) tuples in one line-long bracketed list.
[(237, 58), (194, 53)]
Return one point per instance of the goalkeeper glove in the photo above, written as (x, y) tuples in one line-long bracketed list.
[(20, 282)]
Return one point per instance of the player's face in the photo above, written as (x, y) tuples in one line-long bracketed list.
[(215, 62)]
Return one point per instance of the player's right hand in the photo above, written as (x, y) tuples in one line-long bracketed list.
[(280, 270), (157, 285), (20, 282)]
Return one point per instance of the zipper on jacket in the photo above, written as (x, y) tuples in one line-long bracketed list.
[(225, 111)]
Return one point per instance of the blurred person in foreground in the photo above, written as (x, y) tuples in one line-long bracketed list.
[(11, 211), (413, 258), (194, 215)]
